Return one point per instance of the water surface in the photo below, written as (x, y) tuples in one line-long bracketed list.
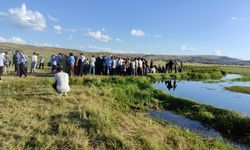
[(194, 126), (209, 93)]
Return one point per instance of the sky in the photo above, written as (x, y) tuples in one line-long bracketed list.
[(169, 27)]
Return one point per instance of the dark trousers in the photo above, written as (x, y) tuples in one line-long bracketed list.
[(54, 86), (71, 70), (113, 71), (1, 72), (22, 70), (41, 65), (16, 68)]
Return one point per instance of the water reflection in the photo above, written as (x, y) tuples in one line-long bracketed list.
[(170, 86), (209, 93)]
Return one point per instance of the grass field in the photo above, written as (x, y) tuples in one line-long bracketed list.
[(99, 113), (109, 113)]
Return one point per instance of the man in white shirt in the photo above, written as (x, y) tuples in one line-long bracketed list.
[(136, 66), (2, 59), (34, 63), (133, 67), (140, 67), (92, 65), (7, 63), (153, 70), (61, 84)]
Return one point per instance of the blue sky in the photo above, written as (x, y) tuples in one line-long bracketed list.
[(180, 27)]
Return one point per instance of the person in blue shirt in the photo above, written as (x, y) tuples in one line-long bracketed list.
[(108, 64), (53, 63), (71, 62)]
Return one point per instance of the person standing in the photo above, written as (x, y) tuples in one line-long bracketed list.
[(23, 63), (133, 67), (140, 65), (146, 68), (81, 59), (151, 63), (33, 63), (175, 65), (71, 61), (92, 65), (61, 84), (181, 69), (171, 63), (41, 65), (7, 63), (108, 65), (120, 66), (53, 63), (15, 62), (136, 66), (2, 59), (65, 63), (113, 65)]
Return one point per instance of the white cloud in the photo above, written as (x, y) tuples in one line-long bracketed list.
[(233, 18), (236, 18), (186, 47), (99, 36), (14, 39), (118, 40), (103, 29), (137, 32), (52, 18), (58, 29), (24, 18)]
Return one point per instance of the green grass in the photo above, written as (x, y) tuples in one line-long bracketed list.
[(192, 73), (231, 124), (240, 89), (99, 113), (205, 72)]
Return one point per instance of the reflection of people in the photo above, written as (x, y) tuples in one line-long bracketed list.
[(170, 85), (175, 85), (61, 84)]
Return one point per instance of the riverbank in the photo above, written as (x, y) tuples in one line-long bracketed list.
[(240, 89), (231, 124), (99, 113)]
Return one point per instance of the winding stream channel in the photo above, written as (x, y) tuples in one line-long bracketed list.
[(213, 93)]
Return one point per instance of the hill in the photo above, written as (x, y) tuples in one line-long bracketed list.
[(47, 51)]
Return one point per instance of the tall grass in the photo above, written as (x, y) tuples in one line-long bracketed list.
[(99, 113)]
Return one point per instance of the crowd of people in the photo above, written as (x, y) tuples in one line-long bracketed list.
[(64, 66), (20, 63), (110, 65), (171, 65), (101, 65)]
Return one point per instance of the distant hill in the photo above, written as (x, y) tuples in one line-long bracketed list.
[(47, 51)]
